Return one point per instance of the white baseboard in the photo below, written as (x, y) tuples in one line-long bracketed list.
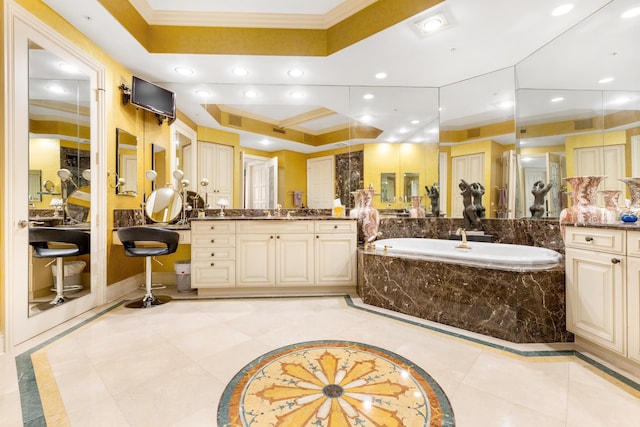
[(119, 289)]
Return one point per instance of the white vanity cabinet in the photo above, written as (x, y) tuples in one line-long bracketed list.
[(603, 275), (633, 294), (335, 247), (275, 253), (213, 254), (273, 256)]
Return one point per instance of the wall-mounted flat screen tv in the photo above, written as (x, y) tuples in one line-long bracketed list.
[(153, 98)]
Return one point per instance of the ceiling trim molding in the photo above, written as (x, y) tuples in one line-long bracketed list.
[(225, 40), (249, 20)]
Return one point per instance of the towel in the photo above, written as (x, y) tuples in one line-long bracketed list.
[(297, 198)]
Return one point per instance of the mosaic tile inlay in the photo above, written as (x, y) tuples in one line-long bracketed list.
[(333, 383)]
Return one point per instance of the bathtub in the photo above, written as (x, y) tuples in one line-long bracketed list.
[(496, 255), (511, 292)]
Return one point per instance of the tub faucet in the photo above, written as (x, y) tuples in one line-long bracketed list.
[(463, 233)]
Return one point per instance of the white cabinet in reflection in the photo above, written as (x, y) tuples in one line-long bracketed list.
[(215, 162)]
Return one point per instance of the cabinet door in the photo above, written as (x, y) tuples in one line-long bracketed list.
[(255, 259), (595, 297), (335, 260), (213, 274), (633, 307), (215, 162), (294, 255)]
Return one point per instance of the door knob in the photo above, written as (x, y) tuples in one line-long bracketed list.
[(615, 260), (23, 223)]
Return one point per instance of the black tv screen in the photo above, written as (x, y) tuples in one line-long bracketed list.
[(153, 98)]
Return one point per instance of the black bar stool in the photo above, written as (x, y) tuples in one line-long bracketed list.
[(75, 242), (148, 242)]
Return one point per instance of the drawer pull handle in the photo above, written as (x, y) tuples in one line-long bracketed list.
[(615, 261), (277, 237), (588, 239), (212, 254), (271, 237), (213, 227), (213, 241), (212, 264), (335, 226), (317, 237)]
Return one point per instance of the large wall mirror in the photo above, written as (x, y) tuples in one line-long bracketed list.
[(60, 151), (579, 113), (477, 135)]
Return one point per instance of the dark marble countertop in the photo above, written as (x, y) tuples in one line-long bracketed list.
[(273, 218), (615, 226)]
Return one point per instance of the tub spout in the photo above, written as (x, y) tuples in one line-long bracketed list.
[(461, 232)]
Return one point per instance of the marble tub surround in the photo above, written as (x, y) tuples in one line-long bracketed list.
[(517, 306), (543, 233)]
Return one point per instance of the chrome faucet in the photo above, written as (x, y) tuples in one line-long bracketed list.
[(278, 207), (461, 232)]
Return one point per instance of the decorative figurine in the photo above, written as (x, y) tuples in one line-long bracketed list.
[(434, 195), (470, 215), (539, 191)]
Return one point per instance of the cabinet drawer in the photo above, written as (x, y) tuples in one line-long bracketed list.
[(213, 254), (596, 239), (213, 241), (219, 274), (633, 243), (332, 226), (275, 226), (209, 227)]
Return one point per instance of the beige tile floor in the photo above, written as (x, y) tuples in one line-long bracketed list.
[(168, 366)]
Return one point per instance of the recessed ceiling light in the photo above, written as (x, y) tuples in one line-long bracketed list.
[(294, 72), (606, 80), (557, 99), (505, 104), (562, 10), (250, 93), (403, 130), (366, 118), (431, 24), (296, 94), (631, 13), (264, 141), (381, 76), (56, 89), (240, 71), (622, 100), (434, 130), (184, 71), (368, 96), (67, 67), (203, 93), (415, 122)]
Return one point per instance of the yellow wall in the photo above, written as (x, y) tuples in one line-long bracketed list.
[(591, 140)]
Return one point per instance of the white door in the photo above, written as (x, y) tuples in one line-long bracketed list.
[(531, 176), (29, 36), (471, 169), (320, 186), (260, 184), (215, 162)]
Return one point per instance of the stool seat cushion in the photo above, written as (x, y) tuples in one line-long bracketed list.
[(136, 241), (42, 238)]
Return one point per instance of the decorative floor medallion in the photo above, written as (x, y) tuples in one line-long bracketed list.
[(333, 384)]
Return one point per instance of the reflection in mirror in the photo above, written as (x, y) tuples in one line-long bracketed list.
[(126, 163), (388, 187), (159, 164), (579, 114), (477, 135), (59, 149), (164, 205), (35, 185), (411, 185)]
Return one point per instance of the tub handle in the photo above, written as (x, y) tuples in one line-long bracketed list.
[(615, 260), (588, 239), (387, 247)]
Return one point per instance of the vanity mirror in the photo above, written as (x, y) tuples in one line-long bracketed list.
[(388, 187), (164, 205), (126, 163), (411, 185)]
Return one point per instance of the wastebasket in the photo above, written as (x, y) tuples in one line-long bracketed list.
[(72, 272), (183, 276)]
